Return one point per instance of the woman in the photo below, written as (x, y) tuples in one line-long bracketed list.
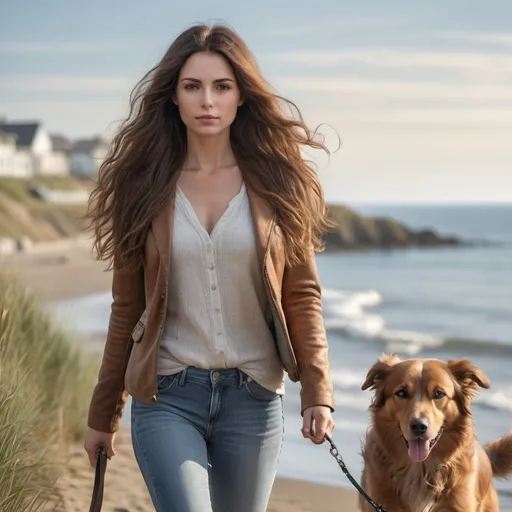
[(211, 219)]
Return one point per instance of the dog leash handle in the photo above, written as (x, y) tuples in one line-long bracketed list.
[(99, 481)]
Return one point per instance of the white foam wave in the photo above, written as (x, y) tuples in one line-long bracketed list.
[(347, 384), (500, 399), (347, 379), (85, 315), (408, 342), (348, 311), (357, 402)]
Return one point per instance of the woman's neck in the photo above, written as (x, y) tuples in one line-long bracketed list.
[(208, 154)]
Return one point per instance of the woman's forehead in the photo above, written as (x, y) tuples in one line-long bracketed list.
[(206, 66)]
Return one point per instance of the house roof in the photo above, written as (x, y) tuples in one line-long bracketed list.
[(61, 143), (24, 132), (88, 145)]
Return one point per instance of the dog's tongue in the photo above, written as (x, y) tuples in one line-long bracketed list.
[(419, 449)]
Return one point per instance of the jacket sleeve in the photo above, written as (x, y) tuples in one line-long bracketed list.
[(302, 305), (109, 396)]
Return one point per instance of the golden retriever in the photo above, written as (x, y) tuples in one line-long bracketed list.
[(421, 453)]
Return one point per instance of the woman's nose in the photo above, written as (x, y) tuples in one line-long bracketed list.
[(207, 98)]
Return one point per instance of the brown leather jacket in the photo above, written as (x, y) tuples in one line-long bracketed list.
[(129, 364)]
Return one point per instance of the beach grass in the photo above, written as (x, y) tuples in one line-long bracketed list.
[(45, 386)]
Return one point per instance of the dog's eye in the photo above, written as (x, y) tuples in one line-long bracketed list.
[(401, 393), (438, 394)]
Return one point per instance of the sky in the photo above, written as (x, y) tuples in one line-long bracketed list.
[(418, 93)]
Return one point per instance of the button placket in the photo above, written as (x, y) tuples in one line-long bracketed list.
[(218, 341)]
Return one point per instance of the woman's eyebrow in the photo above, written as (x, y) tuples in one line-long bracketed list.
[(196, 80)]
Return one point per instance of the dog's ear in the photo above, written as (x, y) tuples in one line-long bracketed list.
[(379, 371), (468, 376)]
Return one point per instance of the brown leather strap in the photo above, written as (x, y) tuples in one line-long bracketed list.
[(99, 481)]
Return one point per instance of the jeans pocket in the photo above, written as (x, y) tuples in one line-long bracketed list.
[(165, 382), (258, 392)]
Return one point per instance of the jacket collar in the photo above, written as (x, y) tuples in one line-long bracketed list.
[(261, 212)]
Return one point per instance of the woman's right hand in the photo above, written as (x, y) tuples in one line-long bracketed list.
[(94, 439)]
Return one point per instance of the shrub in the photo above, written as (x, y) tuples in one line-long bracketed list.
[(45, 386)]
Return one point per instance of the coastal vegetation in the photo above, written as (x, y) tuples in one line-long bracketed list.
[(45, 387)]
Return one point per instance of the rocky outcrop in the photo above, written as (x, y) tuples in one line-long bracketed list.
[(27, 215), (353, 231)]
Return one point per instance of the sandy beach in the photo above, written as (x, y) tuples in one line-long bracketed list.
[(68, 270), (125, 490)]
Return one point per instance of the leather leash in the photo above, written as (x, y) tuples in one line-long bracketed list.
[(339, 459), (99, 481)]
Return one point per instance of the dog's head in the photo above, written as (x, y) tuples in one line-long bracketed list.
[(424, 398)]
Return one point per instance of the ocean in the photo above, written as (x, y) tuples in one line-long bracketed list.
[(444, 302)]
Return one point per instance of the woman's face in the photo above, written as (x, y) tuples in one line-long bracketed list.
[(207, 94)]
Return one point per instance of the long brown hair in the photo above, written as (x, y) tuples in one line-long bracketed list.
[(135, 180)]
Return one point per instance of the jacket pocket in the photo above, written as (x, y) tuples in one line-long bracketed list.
[(140, 328), (131, 361)]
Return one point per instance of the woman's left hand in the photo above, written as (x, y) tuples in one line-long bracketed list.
[(317, 421)]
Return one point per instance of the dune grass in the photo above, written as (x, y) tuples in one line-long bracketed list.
[(45, 386)]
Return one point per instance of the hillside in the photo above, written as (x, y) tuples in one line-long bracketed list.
[(353, 231), (23, 213)]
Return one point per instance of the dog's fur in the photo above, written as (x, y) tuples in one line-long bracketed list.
[(457, 473)]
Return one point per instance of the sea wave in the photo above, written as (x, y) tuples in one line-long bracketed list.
[(346, 314), (498, 399)]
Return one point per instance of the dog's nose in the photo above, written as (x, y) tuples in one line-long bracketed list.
[(418, 426)]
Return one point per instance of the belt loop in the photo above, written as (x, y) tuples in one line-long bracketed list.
[(183, 378)]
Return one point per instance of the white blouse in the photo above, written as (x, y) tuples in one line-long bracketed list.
[(217, 311)]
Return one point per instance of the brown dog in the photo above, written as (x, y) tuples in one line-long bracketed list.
[(421, 453)]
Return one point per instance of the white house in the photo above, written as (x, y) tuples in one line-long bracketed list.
[(87, 156), (33, 140), (13, 163)]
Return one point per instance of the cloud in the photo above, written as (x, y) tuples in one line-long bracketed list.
[(21, 47), (487, 66), (334, 26), (475, 37), (397, 89), (464, 119), (67, 84)]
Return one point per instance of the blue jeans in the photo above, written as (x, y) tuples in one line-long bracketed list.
[(211, 443)]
